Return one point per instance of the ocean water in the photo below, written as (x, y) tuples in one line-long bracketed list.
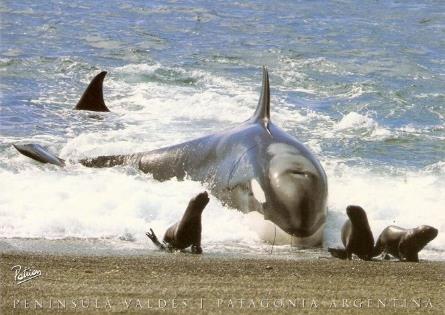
[(361, 84)]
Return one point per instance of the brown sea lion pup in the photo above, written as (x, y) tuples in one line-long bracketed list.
[(186, 232), (404, 244), (356, 236)]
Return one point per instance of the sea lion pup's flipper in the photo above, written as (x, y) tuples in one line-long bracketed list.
[(338, 252), (151, 235), (93, 97), (39, 153)]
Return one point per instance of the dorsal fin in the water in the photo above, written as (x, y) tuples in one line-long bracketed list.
[(262, 113), (39, 153), (93, 98)]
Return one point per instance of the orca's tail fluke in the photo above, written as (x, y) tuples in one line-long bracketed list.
[(39, 153), (93, 97), (338, 252)]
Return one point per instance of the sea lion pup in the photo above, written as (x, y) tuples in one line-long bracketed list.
[(186, 232), (356, 236), (404, 244)]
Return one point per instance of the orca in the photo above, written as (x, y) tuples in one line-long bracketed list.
[(255, 167)]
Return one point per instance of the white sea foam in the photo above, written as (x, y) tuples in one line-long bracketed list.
[(122, 203), (354, 120), (111, 203), (353, 124)]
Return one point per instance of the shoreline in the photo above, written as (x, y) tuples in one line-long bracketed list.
[(113, 247), (185, 283)]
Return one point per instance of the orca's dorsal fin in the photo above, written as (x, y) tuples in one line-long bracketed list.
[(262, 112), (93, 97)]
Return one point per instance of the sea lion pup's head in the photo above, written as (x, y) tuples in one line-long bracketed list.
[(357, 215), (423, 234), (200, 201)]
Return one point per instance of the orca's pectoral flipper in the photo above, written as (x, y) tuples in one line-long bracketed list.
[(93, 97), (39, 153), (338, 252)]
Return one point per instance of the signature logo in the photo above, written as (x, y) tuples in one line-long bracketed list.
[(24, 274)]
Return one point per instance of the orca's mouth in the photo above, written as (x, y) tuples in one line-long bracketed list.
[(315, 239), (303, 232), (300, 229)]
